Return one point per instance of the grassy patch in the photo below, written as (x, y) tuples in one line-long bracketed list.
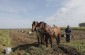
[(4, 39), (78, 44)]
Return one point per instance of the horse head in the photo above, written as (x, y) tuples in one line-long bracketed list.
[(34, 25), (42, 26)]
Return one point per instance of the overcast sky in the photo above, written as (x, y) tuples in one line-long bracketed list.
[(21, 13)]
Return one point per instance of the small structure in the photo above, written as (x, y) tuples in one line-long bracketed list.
[(30, 33), (7, 50), (23, 31)]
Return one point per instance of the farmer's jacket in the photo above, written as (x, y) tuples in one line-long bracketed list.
[(68, 30)]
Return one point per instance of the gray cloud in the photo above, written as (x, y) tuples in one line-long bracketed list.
[(71, 13)]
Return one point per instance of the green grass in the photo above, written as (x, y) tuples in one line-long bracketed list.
[(78, 44), (4, 39)]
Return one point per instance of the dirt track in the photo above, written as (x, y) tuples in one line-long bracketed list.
[(22, 42)]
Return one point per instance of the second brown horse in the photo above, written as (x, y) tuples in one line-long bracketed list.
[(50, 33)]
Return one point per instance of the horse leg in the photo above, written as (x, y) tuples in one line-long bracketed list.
[(38, 37), (46, 40), (51, 42), (38, 40), (57, 39), (42, 39)]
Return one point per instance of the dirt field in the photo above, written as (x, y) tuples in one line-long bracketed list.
[(24, 44)]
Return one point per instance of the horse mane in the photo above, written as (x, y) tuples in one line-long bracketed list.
[(44, 24), (34, 22)]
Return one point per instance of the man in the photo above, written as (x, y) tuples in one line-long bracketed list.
[(68, 31)]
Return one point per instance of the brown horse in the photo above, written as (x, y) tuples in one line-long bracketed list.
[(40, 35), (50, 33)]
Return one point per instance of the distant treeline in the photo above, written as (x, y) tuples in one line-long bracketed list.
[(74, 28), (82, 24)]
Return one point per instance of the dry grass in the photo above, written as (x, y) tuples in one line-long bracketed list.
[(19, 39)]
